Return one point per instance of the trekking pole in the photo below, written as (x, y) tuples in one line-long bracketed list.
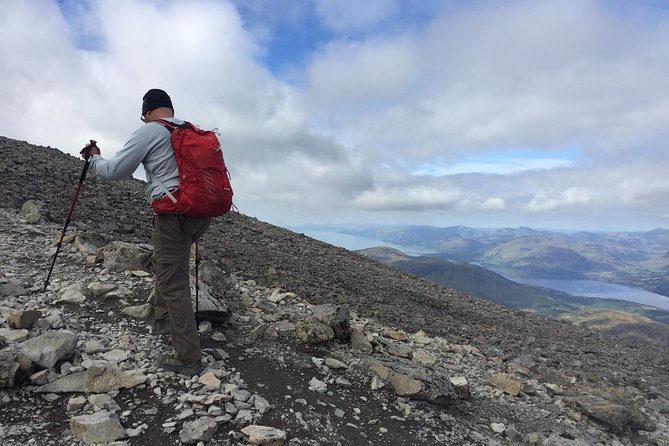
[(197, 282), (71, 211)]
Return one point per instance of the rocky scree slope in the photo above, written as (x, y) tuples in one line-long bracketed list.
[(528, 379)]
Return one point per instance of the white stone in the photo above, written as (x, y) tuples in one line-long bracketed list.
[(73, 294), (498, 427), (317, 385), (335, 363), (377, 383), (76, 403), (261, 405), (264, 435)]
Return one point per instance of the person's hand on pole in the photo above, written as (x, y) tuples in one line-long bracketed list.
[(89, 150)]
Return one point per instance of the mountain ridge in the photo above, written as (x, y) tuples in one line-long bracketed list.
[(637, 259), (651, 325)]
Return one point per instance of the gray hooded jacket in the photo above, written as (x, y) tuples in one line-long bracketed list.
[(151, 146)]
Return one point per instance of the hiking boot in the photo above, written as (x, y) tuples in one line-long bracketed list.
[(171, 364), (161, 327)]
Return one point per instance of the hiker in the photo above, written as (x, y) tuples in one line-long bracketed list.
[(173, 233)]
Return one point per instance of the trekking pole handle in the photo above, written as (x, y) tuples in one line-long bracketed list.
[(90, 146)]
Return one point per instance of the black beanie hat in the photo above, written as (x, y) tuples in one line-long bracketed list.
[(155, 98)]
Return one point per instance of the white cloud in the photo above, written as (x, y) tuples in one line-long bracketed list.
[(409, 198), (493, 203), (512, 74), (392, 119), (570, 197)]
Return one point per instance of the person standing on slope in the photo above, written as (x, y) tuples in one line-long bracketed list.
[(173, 233)]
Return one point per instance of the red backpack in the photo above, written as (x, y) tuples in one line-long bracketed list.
[(204, 182)]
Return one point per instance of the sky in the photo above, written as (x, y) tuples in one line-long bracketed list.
[(485, 113)]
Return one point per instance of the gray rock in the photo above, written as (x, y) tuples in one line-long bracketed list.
[(317, 385), (359, 342), (261, 405), (43, 376), (244, 416), (506, 383), (313, 332), (33, 211), (498, 427), (619, 416), (85, 248), (12, 336), (24, 319), (202, 429), (12, 288), (399, 349), (99, 378), (264, 435), (284, 328), (99, 289), (93, 346), (15, 367), (210, 307), (513, 435), (415, 381), (335, 364), (122, 256), (76, 403), (337, 317), (104, 401), (48, 349), (217, 279), (461, 385), (100, 427), (73, 294), (143, 311)]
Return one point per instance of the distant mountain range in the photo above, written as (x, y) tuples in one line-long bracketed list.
[(608, 315), (639, 259)]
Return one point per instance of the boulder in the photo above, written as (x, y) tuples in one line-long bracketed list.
[(335, 316), (99, 427), (23, 319), (210, 306), (264, 435), (100, 377), (48, 349), (12, 288), (218, 280), (416, 381), (619, 415), (73, 294), (122, 256), (313, 332), (359, 342)]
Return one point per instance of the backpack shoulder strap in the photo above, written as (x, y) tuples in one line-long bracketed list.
[(171, 126)]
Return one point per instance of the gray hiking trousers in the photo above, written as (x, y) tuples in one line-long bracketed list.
[(173, 236)]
